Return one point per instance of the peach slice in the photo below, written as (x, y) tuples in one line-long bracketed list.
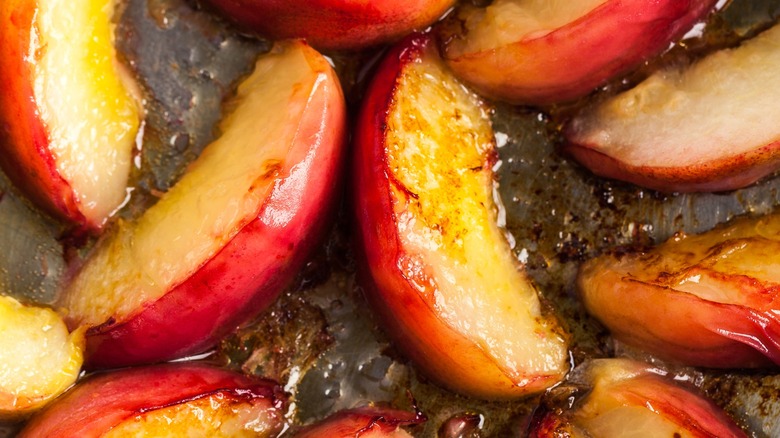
[(334, 24), (710, 126), (165, 400), (222, 243), (627, 398), (707, 300), (366, 422), (39, 359), (543, 52), (443, 277), (68, 115)]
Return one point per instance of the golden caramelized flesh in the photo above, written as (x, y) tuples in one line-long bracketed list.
[(75, 111), (710, 126), (707, 300), (446, 279), (39, 359), (173, 400), (230, 234), (545, 52), (622, 398), (440, 152)]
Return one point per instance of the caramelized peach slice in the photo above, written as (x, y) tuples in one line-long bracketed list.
[(708, 300), (222, 243), (68, 115), (442, 276), (710, 126), (39, 359), (548, 51), (619, 397), (165, 400)]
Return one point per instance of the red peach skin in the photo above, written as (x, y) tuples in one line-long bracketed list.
[(367, 422), (558, 64), (104, 401), (401, 290), (706, 300), (252, 267), (32, 167), (719, 175), (334, 24)]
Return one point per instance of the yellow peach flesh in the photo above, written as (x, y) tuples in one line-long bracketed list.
[(216, 416), (84, 101), (223, 190), (39, 359), (505, 22), (438, 151)]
